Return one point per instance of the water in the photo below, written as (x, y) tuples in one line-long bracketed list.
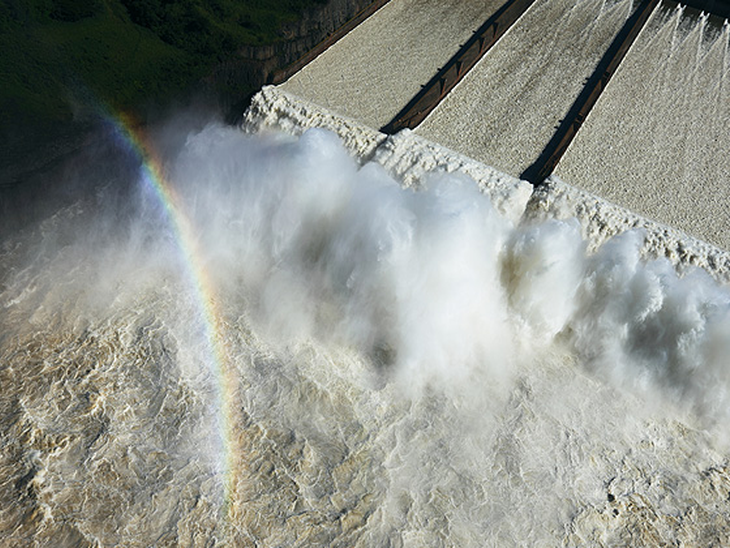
[(384, 62), (508, 107), (660, 127), (400, 368)]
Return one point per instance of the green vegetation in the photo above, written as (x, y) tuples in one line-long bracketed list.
[(215, 26), (58, 54)]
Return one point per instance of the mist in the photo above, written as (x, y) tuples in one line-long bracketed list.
[(436, 279), (406, 355)]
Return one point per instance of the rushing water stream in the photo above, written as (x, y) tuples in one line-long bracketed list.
[(661, 127)]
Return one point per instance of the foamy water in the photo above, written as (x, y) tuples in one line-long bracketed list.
[(410, 367)]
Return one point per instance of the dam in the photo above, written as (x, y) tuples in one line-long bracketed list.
[(354, 322), (506, 110)]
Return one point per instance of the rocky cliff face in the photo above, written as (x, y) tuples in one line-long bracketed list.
[(302, 35), (256, 65)]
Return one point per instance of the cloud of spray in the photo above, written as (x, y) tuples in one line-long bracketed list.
[(435, 284), (432, 285), (414, 339), (640, 325), (324, 248)]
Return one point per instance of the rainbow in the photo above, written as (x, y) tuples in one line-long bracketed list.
[(153, 174)]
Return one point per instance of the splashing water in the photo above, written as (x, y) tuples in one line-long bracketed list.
[(411, 369)]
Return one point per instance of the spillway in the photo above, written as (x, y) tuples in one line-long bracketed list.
[(507, 108), (311, 332), (659, 136), (384, 61)]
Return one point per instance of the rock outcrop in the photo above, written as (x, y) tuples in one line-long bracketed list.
[(264, 64)]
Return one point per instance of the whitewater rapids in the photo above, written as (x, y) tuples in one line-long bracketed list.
[(412, 367)]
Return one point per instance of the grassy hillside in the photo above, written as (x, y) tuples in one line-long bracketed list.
[(60, 54)]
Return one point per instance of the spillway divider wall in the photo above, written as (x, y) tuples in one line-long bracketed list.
[(458, 66), (543, 167)]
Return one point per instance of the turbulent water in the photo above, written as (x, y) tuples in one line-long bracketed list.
[(402, 368)]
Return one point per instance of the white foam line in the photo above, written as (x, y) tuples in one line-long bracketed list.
[(601, 220), (274, 109)]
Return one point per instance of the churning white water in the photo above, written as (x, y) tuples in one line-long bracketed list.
[(411, 368)]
